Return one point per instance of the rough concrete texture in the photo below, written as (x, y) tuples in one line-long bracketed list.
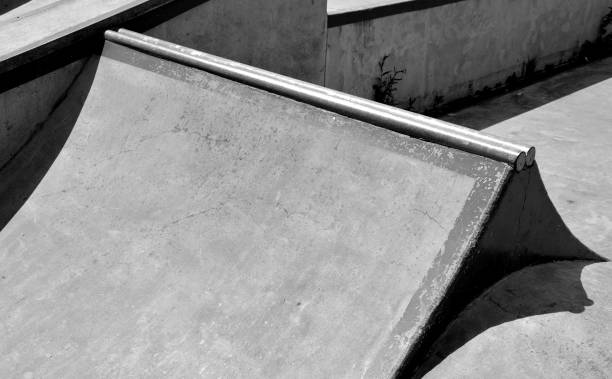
[(286, 37), (24, 108), (450, 51), (547, 321), (192, 226), (574, 140)]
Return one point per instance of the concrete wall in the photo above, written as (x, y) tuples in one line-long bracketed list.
[(283, 36), (453, 50)]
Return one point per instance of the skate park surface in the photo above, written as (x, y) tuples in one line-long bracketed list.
[(195, 226), (232, 240), (191, 225)]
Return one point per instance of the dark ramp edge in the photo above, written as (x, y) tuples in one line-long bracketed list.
[(524, 229)]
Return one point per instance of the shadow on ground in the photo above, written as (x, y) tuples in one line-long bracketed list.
[(492, 111), (542, 289)]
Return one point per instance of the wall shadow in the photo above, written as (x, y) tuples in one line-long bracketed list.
[(9, 5), (21, 175), (536, 290), (161, 14), (485, 113)]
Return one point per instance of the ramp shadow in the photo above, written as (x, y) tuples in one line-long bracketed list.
[(491, 111), (22, 174), (535, 290)]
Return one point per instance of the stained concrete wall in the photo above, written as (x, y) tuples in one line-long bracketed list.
[(453, 50), (283, 36)]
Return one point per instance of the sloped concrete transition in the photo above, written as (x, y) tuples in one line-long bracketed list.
[(166, 221)]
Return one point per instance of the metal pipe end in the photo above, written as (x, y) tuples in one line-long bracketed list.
[(520, 162), (530, 156)]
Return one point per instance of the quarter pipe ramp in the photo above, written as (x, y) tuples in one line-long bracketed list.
[(168, 221)]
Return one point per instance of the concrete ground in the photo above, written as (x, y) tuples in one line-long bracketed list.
[(554, 320), (547, 321)]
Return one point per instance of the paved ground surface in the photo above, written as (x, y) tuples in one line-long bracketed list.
[(549, 321), (194, 226)]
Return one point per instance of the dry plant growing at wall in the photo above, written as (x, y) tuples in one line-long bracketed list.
[(602, 46), (386, 83), (605, 34)]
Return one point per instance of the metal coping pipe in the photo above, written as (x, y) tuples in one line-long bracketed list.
[(414, 117), (381, 115)]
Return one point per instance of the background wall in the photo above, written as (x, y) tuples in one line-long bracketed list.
[(453, 50), (284, 36)]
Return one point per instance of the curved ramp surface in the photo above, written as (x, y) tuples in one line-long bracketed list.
[(190, 225)]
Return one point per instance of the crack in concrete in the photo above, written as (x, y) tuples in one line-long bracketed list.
[(428, 216)]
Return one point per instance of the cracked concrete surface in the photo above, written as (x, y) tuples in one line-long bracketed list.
[(283, 244)]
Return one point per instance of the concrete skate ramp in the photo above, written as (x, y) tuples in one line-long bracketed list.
[(169, 222)]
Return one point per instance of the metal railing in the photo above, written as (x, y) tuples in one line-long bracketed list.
[(398, 120)]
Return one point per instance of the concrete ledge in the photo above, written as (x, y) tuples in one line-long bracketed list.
[(38, 29), (348, 12)]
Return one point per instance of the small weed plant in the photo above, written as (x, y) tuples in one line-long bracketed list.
[(386, 83)]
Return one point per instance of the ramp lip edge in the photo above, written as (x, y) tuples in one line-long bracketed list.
[(78, 32), (381, 115)]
